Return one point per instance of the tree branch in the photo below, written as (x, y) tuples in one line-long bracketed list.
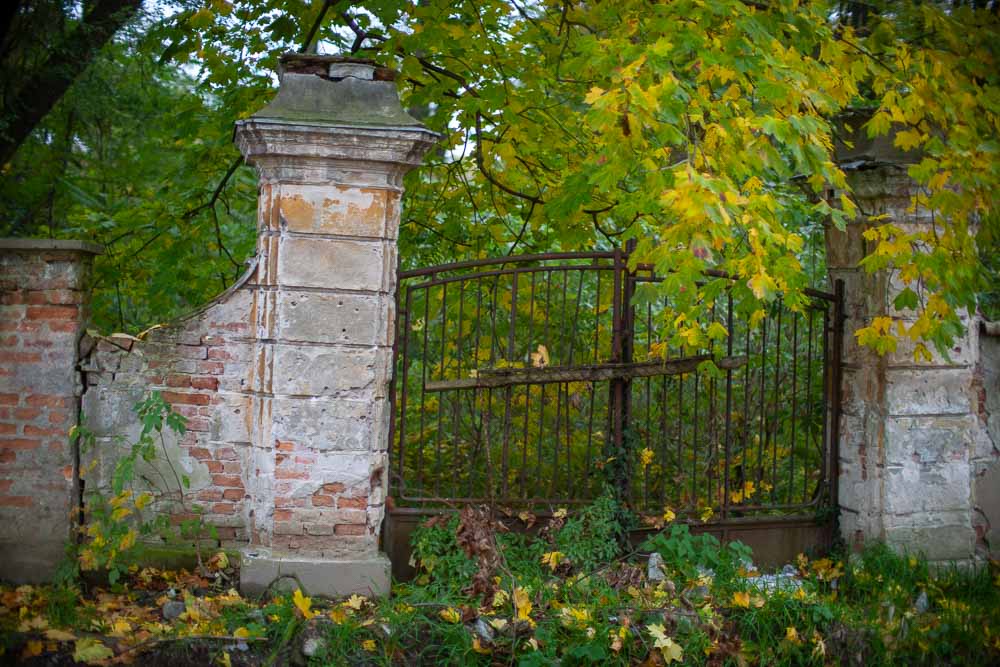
[(47, 82)]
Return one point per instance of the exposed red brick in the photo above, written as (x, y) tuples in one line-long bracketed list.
[(322, 500), (20, 357), (282, 515), (211, 367), (7, 456), (227, 480), (205, 383), (290, 474), (52, 312), (20, 443), (26, 414), (186, 399), (285, 446), (177, 380), (8, 429), (48, 400), (58, 417), (334, 487), (16, 501), (5, 485), (214, 466), (199, 453), (224, 508), (349, 529), (233, 494), (219, 354), (64, 327), (209, 495), (9, 399), (356, 502), (30, 429), (225, 454)]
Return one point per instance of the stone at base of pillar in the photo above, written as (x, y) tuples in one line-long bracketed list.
[(328, 577)]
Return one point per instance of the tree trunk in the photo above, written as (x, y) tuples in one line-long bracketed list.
[(45, 84)]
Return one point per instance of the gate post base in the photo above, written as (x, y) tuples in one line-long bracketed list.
[(261, 569)]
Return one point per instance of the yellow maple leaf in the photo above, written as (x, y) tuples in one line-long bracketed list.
[(303, 604), (540, 359), (450, 614), (522, 605), (646, 456), (552, 559), (670, 651), (355, 602)]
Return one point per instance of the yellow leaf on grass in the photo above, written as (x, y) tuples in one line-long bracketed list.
[(552, 559), (522, 606), (355, 602), (671, 651), (479, 648), (224, 660), (450, 614), (241, 632), (792, 635), (303, 604), (368, 645), (91, 651), (120, 627), (741, 599), (59, 635), (31, 649)]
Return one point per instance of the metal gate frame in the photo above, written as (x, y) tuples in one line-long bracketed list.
[(774, 538)]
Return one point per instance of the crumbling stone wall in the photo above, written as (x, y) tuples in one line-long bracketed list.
[(913, 439), (200, 364), (986, 471), (43, 299)]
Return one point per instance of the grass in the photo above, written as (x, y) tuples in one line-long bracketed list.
[(486, 597)]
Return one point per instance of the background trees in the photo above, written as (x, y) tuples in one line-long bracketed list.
[(704, 129)]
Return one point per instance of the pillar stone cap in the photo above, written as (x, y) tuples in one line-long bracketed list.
[(29, 244), (335, 91)]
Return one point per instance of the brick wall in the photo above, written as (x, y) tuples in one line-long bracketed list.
[(200, 365), (43, 296)]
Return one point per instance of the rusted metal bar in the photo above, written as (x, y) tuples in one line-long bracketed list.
[(504, 377)]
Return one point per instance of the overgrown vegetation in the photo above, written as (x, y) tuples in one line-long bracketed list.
[(485, 595), (144, 494)]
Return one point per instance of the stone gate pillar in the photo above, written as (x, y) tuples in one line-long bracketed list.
[(912, 437), (331, 150)]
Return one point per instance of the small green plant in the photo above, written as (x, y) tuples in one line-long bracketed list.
[(114, 522), (595, 534), (685, 552)]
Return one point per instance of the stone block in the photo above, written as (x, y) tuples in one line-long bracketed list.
[(929, 439), (986, 499), (928, 392), (303, 370), (320, 424), (337, 210), (949, 540), (938, 487), (358, 319), (365, 574), (332, 264)]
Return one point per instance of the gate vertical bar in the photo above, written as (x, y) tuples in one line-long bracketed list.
[(836, 391)]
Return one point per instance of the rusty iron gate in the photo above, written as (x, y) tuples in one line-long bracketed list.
[(522, 381)]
